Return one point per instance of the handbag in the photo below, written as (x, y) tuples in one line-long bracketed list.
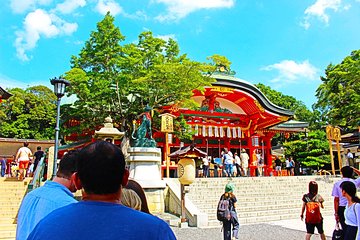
[(338, 233)]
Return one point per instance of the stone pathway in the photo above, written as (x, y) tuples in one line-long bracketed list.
[(247, 232)]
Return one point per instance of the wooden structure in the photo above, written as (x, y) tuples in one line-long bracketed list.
[(232, 114), (4, 94)]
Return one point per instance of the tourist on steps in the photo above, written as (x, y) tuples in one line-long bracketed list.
[(43, 200), (101, 174), (244, 161), (312, 202), (234, 222), (352, 211), (23, 157)]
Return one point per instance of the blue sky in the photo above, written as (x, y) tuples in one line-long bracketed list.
[(281, 43)]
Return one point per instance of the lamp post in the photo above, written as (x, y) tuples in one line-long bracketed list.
[(59, 90)]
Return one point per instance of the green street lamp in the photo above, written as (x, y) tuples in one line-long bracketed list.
[(59, 90)]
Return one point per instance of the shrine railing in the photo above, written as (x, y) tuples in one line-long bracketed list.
[(38, 175)]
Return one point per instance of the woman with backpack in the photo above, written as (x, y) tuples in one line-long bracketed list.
[(312, 202), (226, 213), (352, 211)]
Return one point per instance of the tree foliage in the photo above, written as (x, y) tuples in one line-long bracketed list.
[(302, 113), (311, 152), (339, 94), (111, 78), (29, 113)]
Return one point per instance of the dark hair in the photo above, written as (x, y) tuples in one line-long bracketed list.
[(347, 172), (313, 187), (133, 185), (26, 144), (350, 188), (38, 148), (67, 165), (101, 168)]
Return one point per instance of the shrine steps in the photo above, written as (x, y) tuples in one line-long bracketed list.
[(260, 199), (11, 195)]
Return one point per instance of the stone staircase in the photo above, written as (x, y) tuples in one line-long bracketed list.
[(11, 195), (261, 199)]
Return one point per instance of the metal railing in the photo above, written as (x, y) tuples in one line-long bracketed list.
[(38, 175)]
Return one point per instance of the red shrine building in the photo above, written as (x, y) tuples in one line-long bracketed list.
[(236, 115), (231, 114)]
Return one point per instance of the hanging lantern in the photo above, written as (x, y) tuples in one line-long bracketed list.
[(228, 132), (234, 132), (239, 132), (216, 131), (221, 132), (204, 131), (210, 131), (255, 141), (186, 171)]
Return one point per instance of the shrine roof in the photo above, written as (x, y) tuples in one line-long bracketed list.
[(291, 126), (242, 85), (4, 94), (189, 151)]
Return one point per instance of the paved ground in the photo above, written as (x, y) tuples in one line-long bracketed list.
[(281, 230)]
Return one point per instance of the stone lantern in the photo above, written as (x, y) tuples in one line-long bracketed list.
[(108, 132), (186, 170)]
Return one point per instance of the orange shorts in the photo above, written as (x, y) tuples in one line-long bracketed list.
[(23, 164)]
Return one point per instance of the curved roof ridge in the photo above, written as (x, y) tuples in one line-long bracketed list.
[(240, 84)]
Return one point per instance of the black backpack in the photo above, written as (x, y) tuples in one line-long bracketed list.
[(223, 209)]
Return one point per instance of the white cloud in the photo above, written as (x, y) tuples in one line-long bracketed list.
[(291, 71), (320, 10), (68, 6), (21, 6), (40, 23), (111, 6), (166, 37), (177, 9)]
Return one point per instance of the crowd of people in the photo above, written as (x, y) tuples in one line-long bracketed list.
[(23, 164), (231, 164), (112, 206), (346, 207)]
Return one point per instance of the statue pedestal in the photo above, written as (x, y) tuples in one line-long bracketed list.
[(145, 168)]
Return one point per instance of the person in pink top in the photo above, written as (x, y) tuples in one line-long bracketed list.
[(23, 157)]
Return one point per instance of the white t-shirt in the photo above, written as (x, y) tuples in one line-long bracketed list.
[(228, 158), (237, 159), (24, 154), (205, 161), (287, 163), (244, 159), (352, 217), (336, 192)]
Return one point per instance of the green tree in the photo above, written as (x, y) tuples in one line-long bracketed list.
[(120, 80), (96, 78), (313, 152), (29, 113), (339, 94), (302, 113)]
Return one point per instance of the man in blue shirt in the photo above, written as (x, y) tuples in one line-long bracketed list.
[(100, 215), (54, 194)]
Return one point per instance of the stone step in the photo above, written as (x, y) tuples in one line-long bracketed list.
[(246, 214), (10, 234), (261, 199), (257, 199), (269, 206), (8, 214), (7, 227), (6, 220)]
